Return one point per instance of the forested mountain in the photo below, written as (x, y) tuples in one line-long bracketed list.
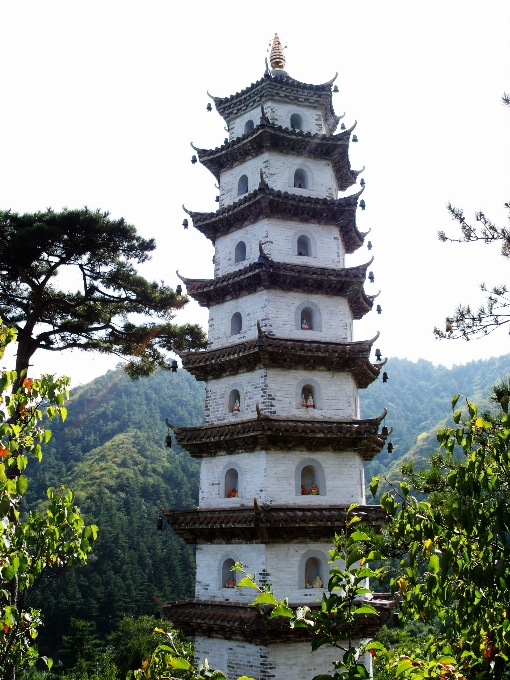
[(111, 452)]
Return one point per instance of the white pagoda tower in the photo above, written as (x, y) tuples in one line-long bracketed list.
[(282, 447)]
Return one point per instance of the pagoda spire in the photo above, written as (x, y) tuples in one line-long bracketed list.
[(277, 57)]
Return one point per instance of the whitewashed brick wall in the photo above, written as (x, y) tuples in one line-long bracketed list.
[(278, 237), (278, 172), (277, 391), (287, 661), (279, 114), (277, 564), (270, 476), (275, 310)]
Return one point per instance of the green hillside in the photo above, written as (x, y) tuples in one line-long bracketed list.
[(111, 452)]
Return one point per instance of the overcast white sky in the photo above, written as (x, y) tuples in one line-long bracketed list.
[(99, 101)]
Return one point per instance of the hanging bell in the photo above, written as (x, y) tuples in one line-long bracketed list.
[(168, 441), (362, 204), (385, 377), (378, 309), (378, 354), (217, 199), (209, 107), (225, 141), (178, 290), (369, 245), (362, 182), (335, 88), (354, 138), (390, 447), (174, 366), (384, 431), (371, 277), (263, 121), (160, 524), (185, 223), (193, 159), (342, 127)]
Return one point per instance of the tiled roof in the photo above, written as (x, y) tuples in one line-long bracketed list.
[(267, 523), (283, 433), (265, 202), (283, 88), (267, 351), (263, 138), (244, 622), (265, 274)]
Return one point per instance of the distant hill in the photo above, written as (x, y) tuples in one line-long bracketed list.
[(111, 452)]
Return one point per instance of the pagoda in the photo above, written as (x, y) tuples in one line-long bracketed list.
[(282, 448)]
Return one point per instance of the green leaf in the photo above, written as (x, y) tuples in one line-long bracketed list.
[(434, 564), (374, 485), (247, 582), (403, 666), (21, 484), (365, 609), (180, 664), (282, 610), (455, 400), (359, 536), (265, 598), (375, 645)]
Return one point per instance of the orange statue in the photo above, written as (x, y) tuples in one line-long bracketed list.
[(304, 490), (231, 583), (233, 493), (314, 491)]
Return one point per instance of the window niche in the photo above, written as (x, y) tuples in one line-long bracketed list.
[(249, 126), (307, 397), (296, 122), (313, 570), (308, 317), (228, 577), (301, 179), (236, 324), (234, 402), (232, 481), (242, 185), (240, 252), (309, 478), (304, 246)]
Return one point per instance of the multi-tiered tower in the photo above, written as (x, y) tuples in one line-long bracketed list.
[(283, 446)]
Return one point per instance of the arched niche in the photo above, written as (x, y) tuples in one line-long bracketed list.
[(308, 314), (308, 472), (307, 387), (304, 244), (296, 121), (232, 478), (249, 126), (313, 564), (236, 323), (301, 176), (226, 577), (233, 394), (242, 185), (300, 179), (240, 252)]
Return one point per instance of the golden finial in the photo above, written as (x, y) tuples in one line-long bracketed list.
[(277, 58)]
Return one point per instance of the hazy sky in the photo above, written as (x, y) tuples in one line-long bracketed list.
[(99, 101)]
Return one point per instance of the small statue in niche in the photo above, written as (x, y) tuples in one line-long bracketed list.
[(304, 490), (314, 491), (233, 493), (231, 583), (236, 407), (307, 583), (303, 400), (309, 402), (317, 582), (304, 325)]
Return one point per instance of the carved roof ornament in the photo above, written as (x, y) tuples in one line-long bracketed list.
[(277, 57)]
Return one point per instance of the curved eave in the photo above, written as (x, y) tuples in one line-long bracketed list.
[(347, 282), (267, 523), (270, 352), (247, 623), (283, 88), (276, 138), (265, 202), (279, 433)]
